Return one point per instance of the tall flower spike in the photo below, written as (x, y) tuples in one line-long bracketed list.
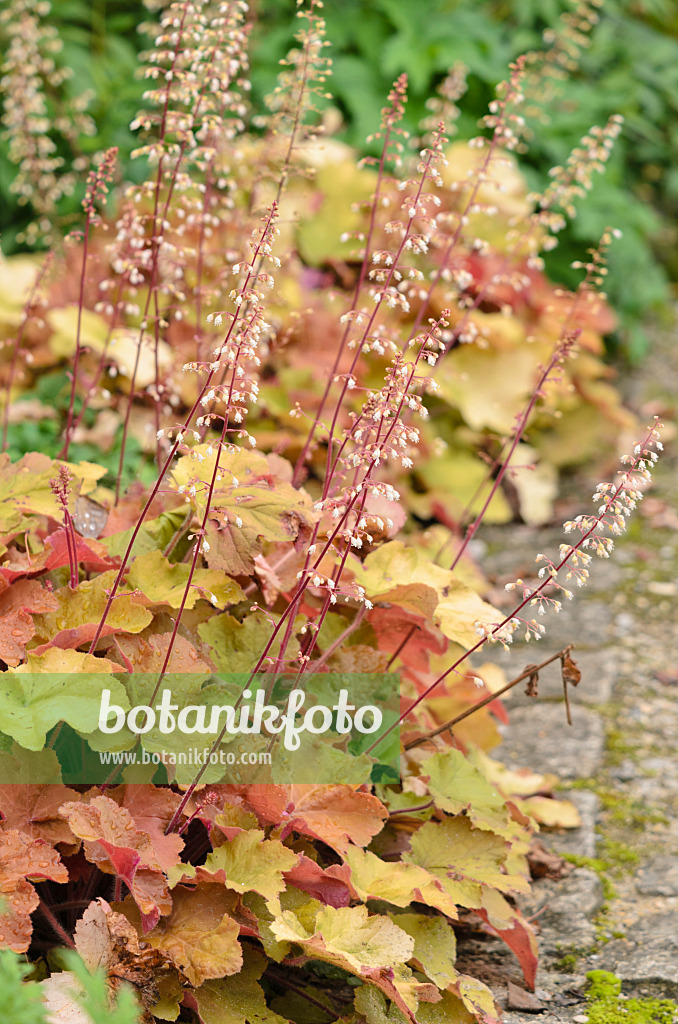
[(616, 502), (29, 73)]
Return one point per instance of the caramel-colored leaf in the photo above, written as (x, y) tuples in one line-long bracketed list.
[(200, 936)]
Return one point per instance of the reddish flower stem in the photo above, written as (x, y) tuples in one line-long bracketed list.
[(530, 671), (76, 358), (526, 600)]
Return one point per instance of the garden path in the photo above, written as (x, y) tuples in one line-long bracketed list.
[(618, 909)]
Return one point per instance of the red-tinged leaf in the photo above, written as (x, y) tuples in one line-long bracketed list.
[(123, 860), (148, 653), (396, 629), (89, 553), (509, 924), (114, 843), (103, 820), (337, 815), (152, 809), (269, 803), (151, 894), (16, 927), (34, 809), (23, 858), (329, 885), (229, 822), (71, 639), (17, 603), (403, 990)]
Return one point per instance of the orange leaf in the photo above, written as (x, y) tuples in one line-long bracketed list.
[(23, 858)]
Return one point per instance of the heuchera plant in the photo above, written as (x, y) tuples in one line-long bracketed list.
[(294, 367)]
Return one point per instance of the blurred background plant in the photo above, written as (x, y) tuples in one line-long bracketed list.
[(631, 67)]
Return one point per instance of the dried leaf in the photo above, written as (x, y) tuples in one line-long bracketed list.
[(571, 673), (60, 994), (545, 863), (106, 940), (532, 685)]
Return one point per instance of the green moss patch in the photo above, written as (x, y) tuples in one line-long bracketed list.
[(606, 1005)]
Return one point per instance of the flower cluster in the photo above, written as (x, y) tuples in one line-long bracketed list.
[(29, 72), (616, 501)]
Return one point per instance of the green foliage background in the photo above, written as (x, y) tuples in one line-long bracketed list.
[(630, 68)]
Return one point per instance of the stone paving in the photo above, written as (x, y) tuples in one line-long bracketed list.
[(620, 756)]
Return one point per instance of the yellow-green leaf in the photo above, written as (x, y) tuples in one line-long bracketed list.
[(249, 494), (25, 486), (121, 344), (237, 1000), (236, 646), (31, 704), (163, 582), (397, 883), (251, 863), (435, 946), (457, 786), (84, 606), (348, 937), (464, 859)]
